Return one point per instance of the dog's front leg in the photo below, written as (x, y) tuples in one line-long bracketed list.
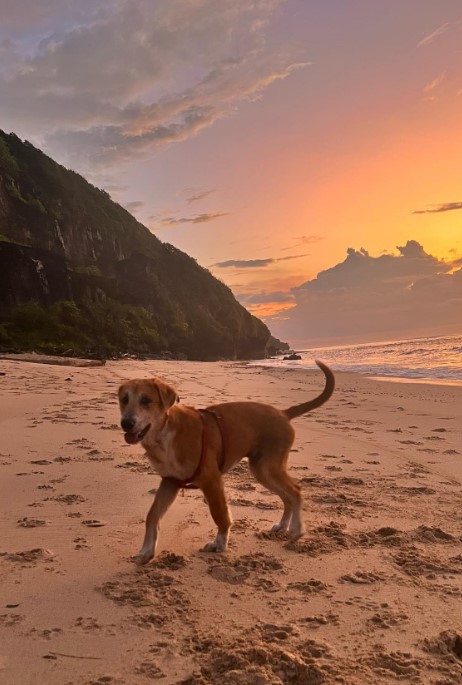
[(165, 496), (215, 495)]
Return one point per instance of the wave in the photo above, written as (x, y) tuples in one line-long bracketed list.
[(422, 358)]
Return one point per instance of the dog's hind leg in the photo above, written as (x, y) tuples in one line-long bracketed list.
[(165, 496), (215, 495), (270, 471)]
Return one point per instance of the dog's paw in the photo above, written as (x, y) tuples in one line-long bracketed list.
[(142, 557), (296, 532), (215, 546), (279, 528)]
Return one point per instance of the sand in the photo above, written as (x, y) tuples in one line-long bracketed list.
[(372, 593)]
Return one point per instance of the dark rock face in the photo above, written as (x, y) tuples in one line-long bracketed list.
[(30, 273), (63, 239)]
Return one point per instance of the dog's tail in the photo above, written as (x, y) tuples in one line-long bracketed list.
[(300, 409)]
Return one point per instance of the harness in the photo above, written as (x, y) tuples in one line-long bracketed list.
[(188, 483)]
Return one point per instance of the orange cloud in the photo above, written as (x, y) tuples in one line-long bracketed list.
[(376, 298), (269, 309)]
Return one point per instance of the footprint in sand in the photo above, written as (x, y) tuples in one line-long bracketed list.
[(332, 467), (414, 563), (170, 561), (362, 578), (226, 574), (266, 584), (319, 620), (81, 543), (395, 664), (387, 619), (30, 556), (9, 620), (93, 523), (273, 633), (87, 623), (308, 587), (237, 571), (148, 669), (68, 499), (31, 523)]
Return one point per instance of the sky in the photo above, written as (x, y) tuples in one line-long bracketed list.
[(307, 152)]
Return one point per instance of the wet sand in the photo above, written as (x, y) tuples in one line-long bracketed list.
[(371, 594)]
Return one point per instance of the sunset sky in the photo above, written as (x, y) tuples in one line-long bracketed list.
[(266, 139)]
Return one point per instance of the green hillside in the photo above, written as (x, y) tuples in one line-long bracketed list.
[(80, 275)]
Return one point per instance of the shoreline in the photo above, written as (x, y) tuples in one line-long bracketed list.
[(372, 376), (420, 381), (81, 362), (55, 360)]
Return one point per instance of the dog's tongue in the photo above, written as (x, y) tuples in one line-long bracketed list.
[(131, 438)]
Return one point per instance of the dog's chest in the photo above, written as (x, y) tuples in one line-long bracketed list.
[(163, 458)]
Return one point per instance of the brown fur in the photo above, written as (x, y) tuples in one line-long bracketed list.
[(172, 436)]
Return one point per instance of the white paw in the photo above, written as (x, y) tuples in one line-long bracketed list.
[(143, 557), (215, 546), (279, 528), (296, 531)]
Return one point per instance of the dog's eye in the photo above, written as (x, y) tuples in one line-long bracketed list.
[(145, 401), (124, 400)]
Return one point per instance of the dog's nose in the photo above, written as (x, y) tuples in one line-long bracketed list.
[(127, 424)]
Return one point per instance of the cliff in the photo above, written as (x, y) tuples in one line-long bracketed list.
[(79, 273)]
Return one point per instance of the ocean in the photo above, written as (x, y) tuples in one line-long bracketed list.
[(426, 359)]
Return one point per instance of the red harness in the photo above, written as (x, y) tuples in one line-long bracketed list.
[(188, 483)]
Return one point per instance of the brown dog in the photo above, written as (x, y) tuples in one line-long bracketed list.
[(190, 447)]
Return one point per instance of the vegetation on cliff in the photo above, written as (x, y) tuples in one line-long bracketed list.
[(79, 274)]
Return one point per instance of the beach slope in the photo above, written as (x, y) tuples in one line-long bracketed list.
[(371, 594)]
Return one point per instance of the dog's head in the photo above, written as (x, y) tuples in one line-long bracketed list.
[(144, 404)]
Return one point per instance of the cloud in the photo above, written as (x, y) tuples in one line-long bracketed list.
[(100, 83), (115, 188), (134, 206), (244, 263), (446, 207), (197, 219), (254, 263), (26, 14), (431, 87), (441, 30), (267, 304), (199, 196), (376, 298), (304, 240), (265, 298)]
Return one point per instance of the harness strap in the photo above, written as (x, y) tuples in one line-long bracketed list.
[(221, 427), (188, 483)]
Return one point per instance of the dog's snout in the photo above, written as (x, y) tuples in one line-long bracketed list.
[(127, 423)]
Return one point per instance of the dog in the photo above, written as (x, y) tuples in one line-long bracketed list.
[(195, 448)]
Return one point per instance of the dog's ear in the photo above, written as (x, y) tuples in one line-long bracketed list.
[(167, 394)]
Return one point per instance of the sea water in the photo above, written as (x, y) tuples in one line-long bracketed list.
[(430, 359)]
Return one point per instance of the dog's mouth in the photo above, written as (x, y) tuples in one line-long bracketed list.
[(133, 438)]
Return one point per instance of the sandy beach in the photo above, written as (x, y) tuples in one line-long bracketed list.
[(371, 594)]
